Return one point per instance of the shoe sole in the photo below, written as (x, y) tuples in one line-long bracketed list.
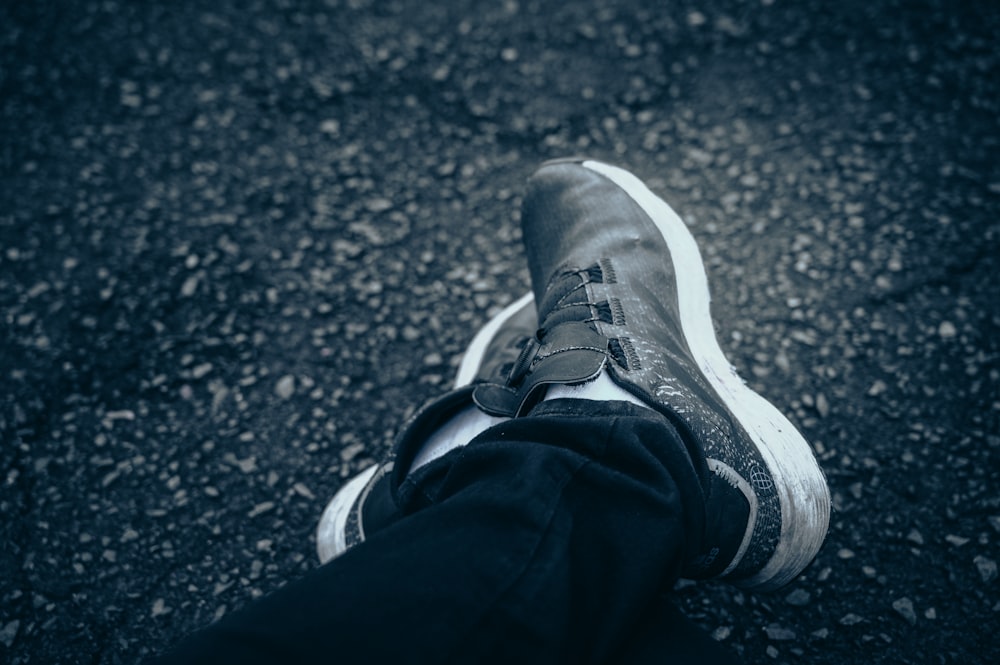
[(331, 532), (803, 494), (331, 538)]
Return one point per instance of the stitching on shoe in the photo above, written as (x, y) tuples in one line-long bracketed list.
[(540, 357), (617, 311), (631, 353), (623, 353), (599, 311), (562, 306), (728, 474), (607, 311), (608, 271)]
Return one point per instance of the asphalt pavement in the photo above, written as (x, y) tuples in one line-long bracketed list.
[(241, 241)]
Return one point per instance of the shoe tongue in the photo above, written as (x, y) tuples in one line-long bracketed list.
[(569, 353), (566, 298)]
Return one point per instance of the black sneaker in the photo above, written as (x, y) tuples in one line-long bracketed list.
[(621, 287), (365, 503)]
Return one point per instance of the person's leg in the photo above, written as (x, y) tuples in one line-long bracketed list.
[(531, 541), (542, 540), (662, 628), (621, 292)]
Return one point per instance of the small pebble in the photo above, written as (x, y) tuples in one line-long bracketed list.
[(349, 452), (822, 405), (190, 286), (877, 388), (798, 598), (159, 607), (261, 508), (904, 606), (721, 633), (994, 522), (779, 633), (9, 633), (285, 387), (303, 491), (987, 568)]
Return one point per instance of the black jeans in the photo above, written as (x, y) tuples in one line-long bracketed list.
[(552, 538)]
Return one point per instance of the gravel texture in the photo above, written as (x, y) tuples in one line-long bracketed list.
[(241, 241)]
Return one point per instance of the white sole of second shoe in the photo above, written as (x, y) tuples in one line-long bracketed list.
[(473, 357), (804, 497), (332, 528)]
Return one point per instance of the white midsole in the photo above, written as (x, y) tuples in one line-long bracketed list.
[(474, 354), (331, 531), (802, 491)]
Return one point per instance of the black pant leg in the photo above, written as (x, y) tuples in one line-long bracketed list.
[(544, 540)]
